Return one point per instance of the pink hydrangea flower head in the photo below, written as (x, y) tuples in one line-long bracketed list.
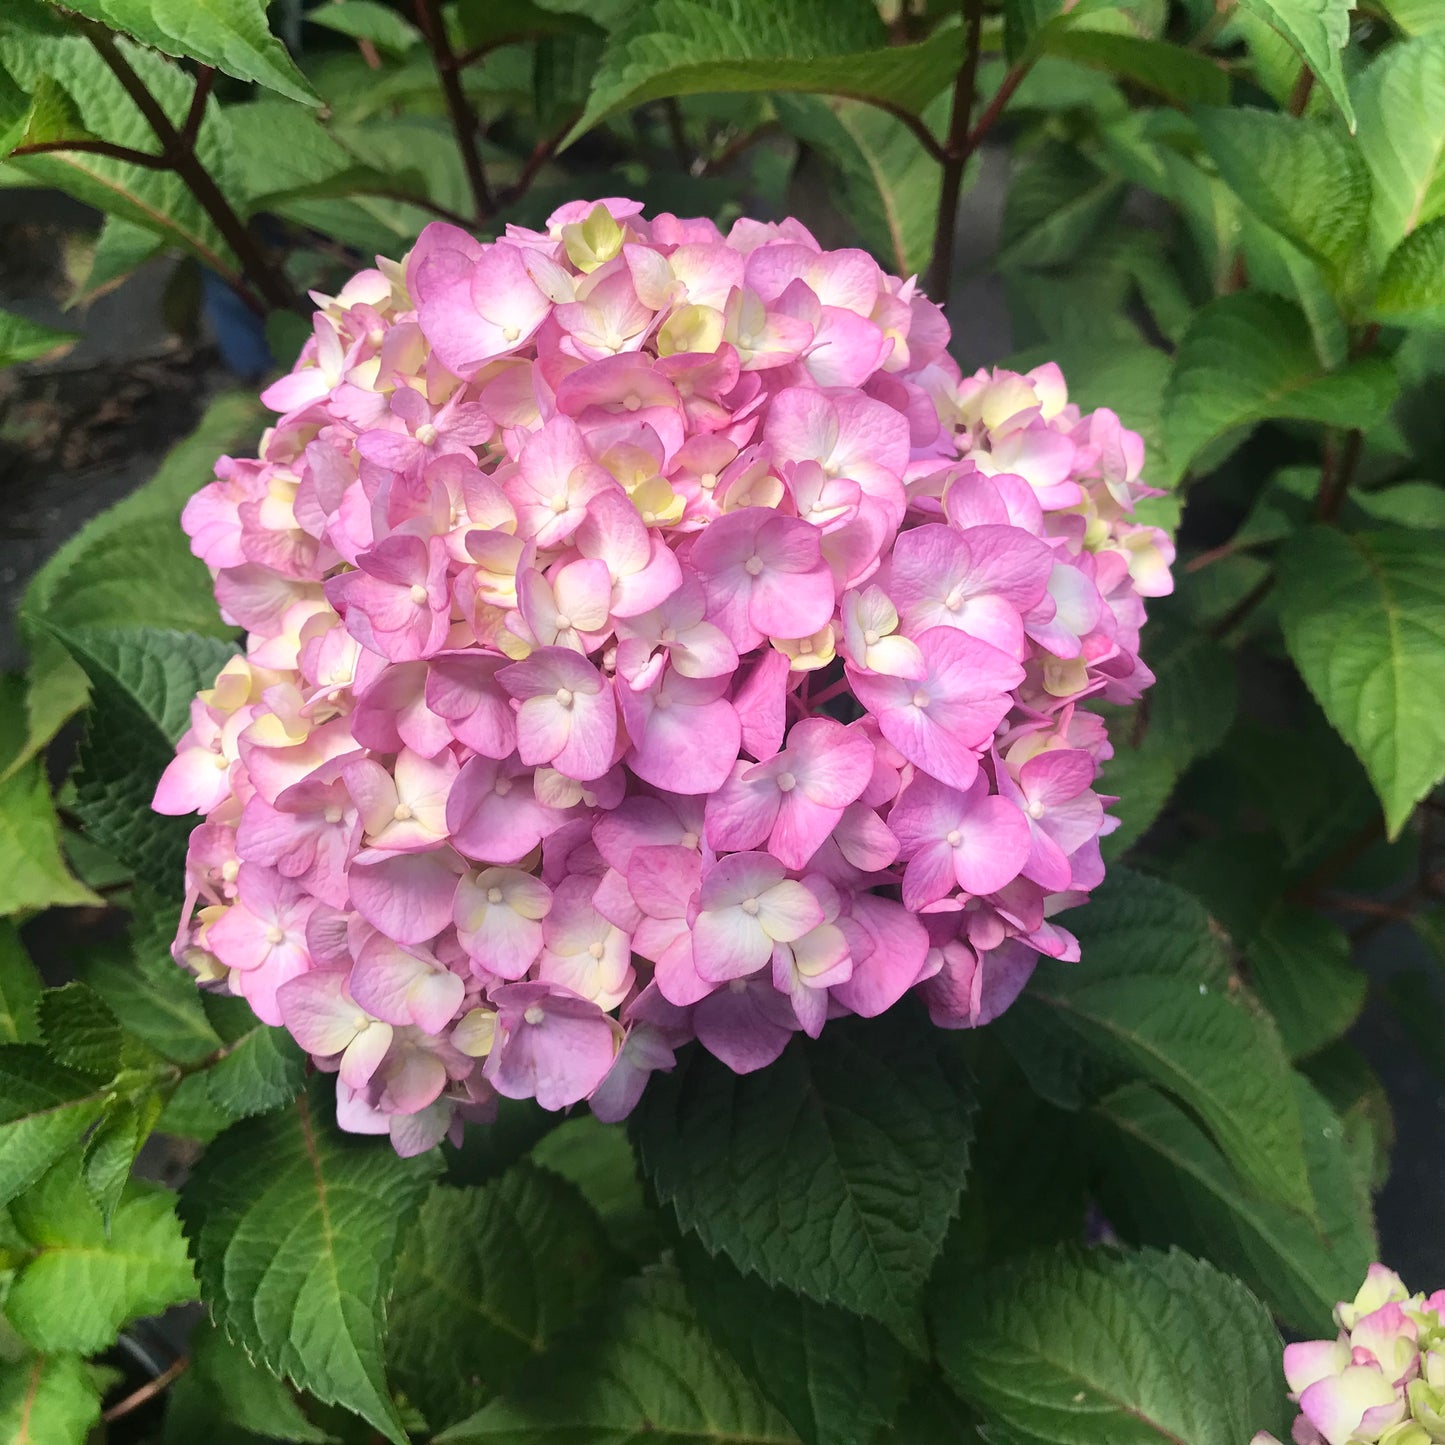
[(652, 638)]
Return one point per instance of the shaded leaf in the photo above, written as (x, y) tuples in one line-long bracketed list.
[(19, 990), (24, 340), (1177, 74), (45, 1110), (367, 20), (1318, 30), (48, 1400)]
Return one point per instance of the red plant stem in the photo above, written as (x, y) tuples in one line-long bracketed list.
[(956, 152), (148, 1391), (197, 113), (270, 282), (464, 120), (97, 147)]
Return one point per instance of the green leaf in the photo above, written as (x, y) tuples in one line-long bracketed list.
[(835, 47), (19, 990), (1102, 1349), (80, 1030), (1177, 74), (650, 1374), (1301, 969), (1401, 99), (833, 1173), (1191, 708), (231, 35), (56, 689), (488, 1280), (1153, 999), (1318, 30), (48, 1400), (889, 183), (1056, 203), (367, 20), (1412, 285), (295, 1229), (113, 1145), (142, 682), (1407, 504), (264, 1069), (45, 1110), (1364, 619), (1170, 1185), (1302, 177), (495, 22), (1248, 358), (22, 339), (226, 1399), (80, 1283), (1415, 17), (838, 1378), (156, 200)]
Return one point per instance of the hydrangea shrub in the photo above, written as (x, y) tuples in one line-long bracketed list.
[(651, 636)]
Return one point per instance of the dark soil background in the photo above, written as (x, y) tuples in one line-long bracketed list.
[(80, 432)]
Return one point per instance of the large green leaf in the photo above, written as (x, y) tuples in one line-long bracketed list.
[(157, 200), (1401, 100), (1075, 1348), (79, 1282), (1412, 285), (1170, 1185), (48, 1400), (1177, 74), (651, 1374), (35, 874), (488, 1279), (367, 20), (1364, 618), (22, 339), (833, 1172), (1301, 969), (295, 1228), (19, 990), (45, 1110), (1318, 30), (262, 1069), (836, 47), (838, 1378), (889, 182), (1303, 177), (1153, 998), (231, 35), (1056, 204), (1248, 358), (80, 1030), (142, 682)]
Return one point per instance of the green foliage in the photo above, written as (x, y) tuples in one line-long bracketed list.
[(45, 1109), (295, 1228), (367, 20), (832, 1173), (488, 1280), (1364, 617), (49, 1398), (24, 340), (79, 1281), (651, 1372), (1136, 1349), (1317, 30), (19, 990)]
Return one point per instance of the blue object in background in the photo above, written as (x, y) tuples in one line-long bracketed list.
[(239, 332)]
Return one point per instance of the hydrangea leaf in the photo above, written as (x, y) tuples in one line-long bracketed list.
[(890, 183), (154, 199), (686, 47), (81, 1282), (1076, 1348), (651, 1373), (1177, 74), (22, 339), (262, 1070), (1167, 1184), (80, 1030), (367, 20), (838, 1378), (48, 1400), (1318, 30), (111, 1149), (1401, 100), (228, 1399), (1300, 966), (295, 1229), (45, 1109), (1364, 619), (1412, 285), (1304, 178), (1248, 358), (1415, 17), (488, 1279), (231, 35), (833, 1173), (19, 990), (142, 681), (1153, 998)]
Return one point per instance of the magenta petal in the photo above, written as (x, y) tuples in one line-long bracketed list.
[(407, 896)]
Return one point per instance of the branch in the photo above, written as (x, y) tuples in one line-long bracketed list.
[(268, 280), (734, 148), (1243, 608), (97, 147), (192, 128), (956, 151), (148, 1391), (1337, 470), (464, 120), (542, 152)]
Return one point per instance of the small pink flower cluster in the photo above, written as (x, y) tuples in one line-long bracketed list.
[(1381, 1381), (559, 553)]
